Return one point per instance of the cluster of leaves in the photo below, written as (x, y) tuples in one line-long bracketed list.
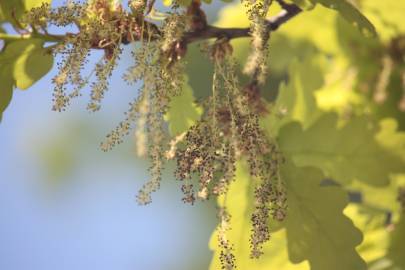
[(302, 166), (328, 128), (20, 57)]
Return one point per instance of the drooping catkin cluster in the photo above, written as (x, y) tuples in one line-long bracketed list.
[(256, 65), (401, 197), (228, 129), (141, 113), (106, 25), (143, 70), (208, 148), (391, 65), (380, 92), (140, 137), (226, 254), (172, 45), (397, 54), (102, 25), (40, 17), (401, 104), (160, 82), (164, 81), (139, 108), (103, 73), (270, 201)]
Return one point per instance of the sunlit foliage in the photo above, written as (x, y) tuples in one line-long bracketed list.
[(298, 129)]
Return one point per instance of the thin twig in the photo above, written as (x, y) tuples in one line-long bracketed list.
[(289, 11)]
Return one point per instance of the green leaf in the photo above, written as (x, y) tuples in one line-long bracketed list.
[(6, 89), (375, 233), (378, 201), (338, 96), (239, 203), (296, 101), (199, 71), (32, 63), (181, 2), (383, 247), (351, 14), (29, 4), (392, 139), (342, 153), (182, 112), (387, 16), (13, 10), (393, 258), (7, 8), (303, 4), (317, 229), (397, 245), (188, 2), (22, 63)]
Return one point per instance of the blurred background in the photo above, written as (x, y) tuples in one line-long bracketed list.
[(65, 204)]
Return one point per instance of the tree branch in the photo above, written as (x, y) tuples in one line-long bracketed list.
[(289, 11), (206, 32)]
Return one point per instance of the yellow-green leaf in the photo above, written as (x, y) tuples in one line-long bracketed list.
[(33, 62), (342, 153), (387, 16), (303, 4), (317, 229), (6, 89), (296, 101), (239, 203), (22, 63), (392, 139), (375, 234), (182, 112), (351, 14), (11, 11), (397, 245)]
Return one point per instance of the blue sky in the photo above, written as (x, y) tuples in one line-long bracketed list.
[(64, 204)]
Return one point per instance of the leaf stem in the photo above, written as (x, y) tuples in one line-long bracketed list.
[(45, 37)]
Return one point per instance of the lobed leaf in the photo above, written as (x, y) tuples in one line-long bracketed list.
[(33, 62), (375, 233), (342, 153), (22, 63), (391, 138), (387, 16), (318, 234), (317, 229), (351, 14), (397, 245), (239, 203), (295, 100)]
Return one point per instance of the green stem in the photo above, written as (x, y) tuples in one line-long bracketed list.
[(8, 37), (48, 38)]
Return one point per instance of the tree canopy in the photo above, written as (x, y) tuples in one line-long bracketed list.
[(289, 113)]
